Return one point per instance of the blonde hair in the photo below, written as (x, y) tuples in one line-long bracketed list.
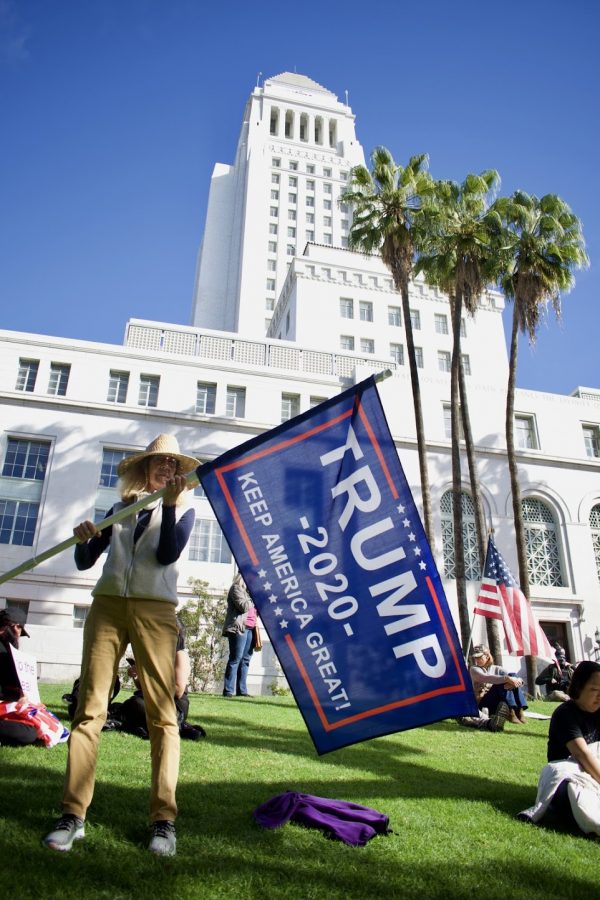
[(134, 482)]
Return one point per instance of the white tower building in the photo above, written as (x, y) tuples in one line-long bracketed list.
[(295, 150)]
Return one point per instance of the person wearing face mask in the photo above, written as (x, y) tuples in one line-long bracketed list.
[(12, 629), (135, 601)]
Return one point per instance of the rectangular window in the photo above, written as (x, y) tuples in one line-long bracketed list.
[(466, 363), (274, 195), (344, 242), (291, 250), (273, 211), (310, 185), (290, 406), (394, 315), (59, 379), (326, 204), (110, 464), (397, 353), (18, 519), (292, 181), (415, 319), (292, 198), (344, 224), (366, 311), (207, 543), (271, 265), (346, 342), (273, 228), (235, 407), (118, 383), (294, 166), (206, 398), (448, 423), (327, 172), (292, 214), (327, 221), (444, 361), (272, 246), (275, 179), (148, 395), (310, 218), (419, 357), (270, 284), (367, 345), (346, 308), (327, 189), (79, 616), (291, 232), (310, 235), (525, 437), (591, 438), (310, 201), (270, 304), (315, 401), (275, 162), (26, 459), (310, 169), (27, 374), (441, 323), (327, 238), (463, 328)]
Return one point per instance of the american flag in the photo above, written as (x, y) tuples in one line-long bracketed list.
[(500, 597)]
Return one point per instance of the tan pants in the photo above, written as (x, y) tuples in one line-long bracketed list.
[(151, 628)]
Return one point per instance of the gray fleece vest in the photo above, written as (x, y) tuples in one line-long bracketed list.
[(132, 570)]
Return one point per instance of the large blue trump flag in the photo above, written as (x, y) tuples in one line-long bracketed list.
[(323, 526)]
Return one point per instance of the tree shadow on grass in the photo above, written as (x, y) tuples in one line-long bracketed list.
[(220, 846)]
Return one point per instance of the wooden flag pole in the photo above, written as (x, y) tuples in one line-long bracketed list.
[(116, 517), (104, 523)]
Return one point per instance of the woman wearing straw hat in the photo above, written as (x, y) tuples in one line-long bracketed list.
[(135, 600)]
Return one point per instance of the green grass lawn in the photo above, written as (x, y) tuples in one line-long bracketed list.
[(451, 795)]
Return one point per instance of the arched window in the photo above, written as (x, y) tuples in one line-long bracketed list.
[(472, 565), (543, 553), (595, 529)]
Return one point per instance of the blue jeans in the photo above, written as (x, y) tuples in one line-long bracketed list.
[(240, 651), (515, 697)]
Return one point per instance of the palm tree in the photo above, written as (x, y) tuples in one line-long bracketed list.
[(544, 244), (386, 202), (458, 257)]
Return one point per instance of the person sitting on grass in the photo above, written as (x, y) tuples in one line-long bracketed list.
[(557, 677), (569, 786), (12, 628), (493, 685), (132, 713)]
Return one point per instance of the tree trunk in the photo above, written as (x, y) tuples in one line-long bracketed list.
[(402, 287), (491, 625), (457, 517), (514, 481)]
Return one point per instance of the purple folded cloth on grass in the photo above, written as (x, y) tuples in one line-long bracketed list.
[(348, 822)]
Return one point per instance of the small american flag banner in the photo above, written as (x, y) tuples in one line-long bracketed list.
[(500, 597)]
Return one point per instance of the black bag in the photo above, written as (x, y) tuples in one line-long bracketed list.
[(73, 697)]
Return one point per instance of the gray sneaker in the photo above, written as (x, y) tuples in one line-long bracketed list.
[(67, 829), (498, 720), (163, 841)]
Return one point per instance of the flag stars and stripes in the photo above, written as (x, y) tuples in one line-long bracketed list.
[(267, 585), (278, 611), (417, 551), (406, 523), (283, 623), (400, 509), (422, 566), (262, 573), (272, 599), (411, 537)]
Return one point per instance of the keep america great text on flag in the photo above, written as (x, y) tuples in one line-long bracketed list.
[(321, 521)]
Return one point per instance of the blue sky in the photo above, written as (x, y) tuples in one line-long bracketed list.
[(115, 111)]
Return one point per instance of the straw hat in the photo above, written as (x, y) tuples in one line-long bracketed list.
[(163, 445)]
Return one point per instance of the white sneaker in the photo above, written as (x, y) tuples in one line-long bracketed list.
[(163, 841), (68, 828)]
